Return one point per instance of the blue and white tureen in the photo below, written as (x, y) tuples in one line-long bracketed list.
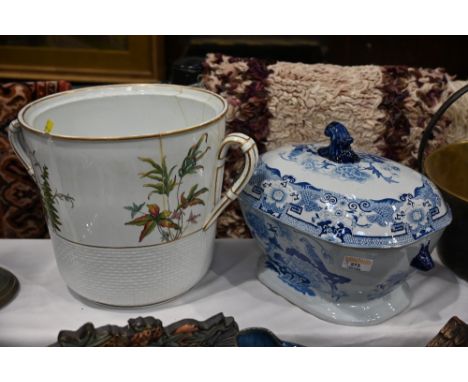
[(342, 231)]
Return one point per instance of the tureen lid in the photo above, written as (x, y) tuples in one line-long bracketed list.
[(345, 197)]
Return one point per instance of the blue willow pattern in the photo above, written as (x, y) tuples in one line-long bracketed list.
[(368, 168), (302, 269), (339, 219)]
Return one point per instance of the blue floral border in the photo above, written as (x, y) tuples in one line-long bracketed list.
[(408, 222)]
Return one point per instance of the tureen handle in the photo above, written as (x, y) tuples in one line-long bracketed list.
[(340, 150), (15, 135), (423, 260), (249, 148)]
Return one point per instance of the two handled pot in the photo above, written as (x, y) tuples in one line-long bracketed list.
[(131, 179)]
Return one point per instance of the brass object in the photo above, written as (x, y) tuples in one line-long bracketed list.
[(447, 167), (9, 285)]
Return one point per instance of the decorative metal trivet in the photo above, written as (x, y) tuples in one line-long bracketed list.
[(149, 331), (454, 333)]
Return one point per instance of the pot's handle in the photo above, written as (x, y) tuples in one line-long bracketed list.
[(435, 118), (249, 148), (15, 135)]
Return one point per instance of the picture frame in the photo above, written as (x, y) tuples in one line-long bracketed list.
[(88, 59)]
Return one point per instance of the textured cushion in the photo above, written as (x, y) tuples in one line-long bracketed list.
[(21, 214), (386, 109)]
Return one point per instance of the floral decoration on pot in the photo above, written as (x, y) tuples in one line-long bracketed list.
[(171, 222)]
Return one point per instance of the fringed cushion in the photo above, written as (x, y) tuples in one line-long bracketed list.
[(386, 109)]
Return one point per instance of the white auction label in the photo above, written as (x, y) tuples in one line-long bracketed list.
[(357, 263)]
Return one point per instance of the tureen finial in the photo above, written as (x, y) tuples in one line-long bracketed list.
[(340, 145)]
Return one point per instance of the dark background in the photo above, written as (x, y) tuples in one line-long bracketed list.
[(187, 52), (449, 52)]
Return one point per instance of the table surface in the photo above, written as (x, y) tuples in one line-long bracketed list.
[(44, 305)]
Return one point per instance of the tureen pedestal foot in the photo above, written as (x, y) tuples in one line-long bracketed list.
[(361, 313)]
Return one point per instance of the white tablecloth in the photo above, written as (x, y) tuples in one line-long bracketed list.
[(44, 305)]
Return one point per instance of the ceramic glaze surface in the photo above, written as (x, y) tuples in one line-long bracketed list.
[(104, 178), (342, 230), (136, 276), (343, 285), (123, 110), (372, 203), (130, 177)]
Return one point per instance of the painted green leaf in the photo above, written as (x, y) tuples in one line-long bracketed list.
[(134, 208), (168, 223), (192, 190), (156, 166), (140, 221), (200, 191), (49, 200), (195, 153), (192, 198), (147, 229), (196, 201), (170, 171), (160, 173), (154, 177), (154, 210), (165, 214), (65, 197), (158, 188)]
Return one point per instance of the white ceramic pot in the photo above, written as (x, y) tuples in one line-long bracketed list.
[(342, 231), (131, 180)]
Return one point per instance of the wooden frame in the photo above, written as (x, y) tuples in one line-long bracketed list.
[(141, 61)]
